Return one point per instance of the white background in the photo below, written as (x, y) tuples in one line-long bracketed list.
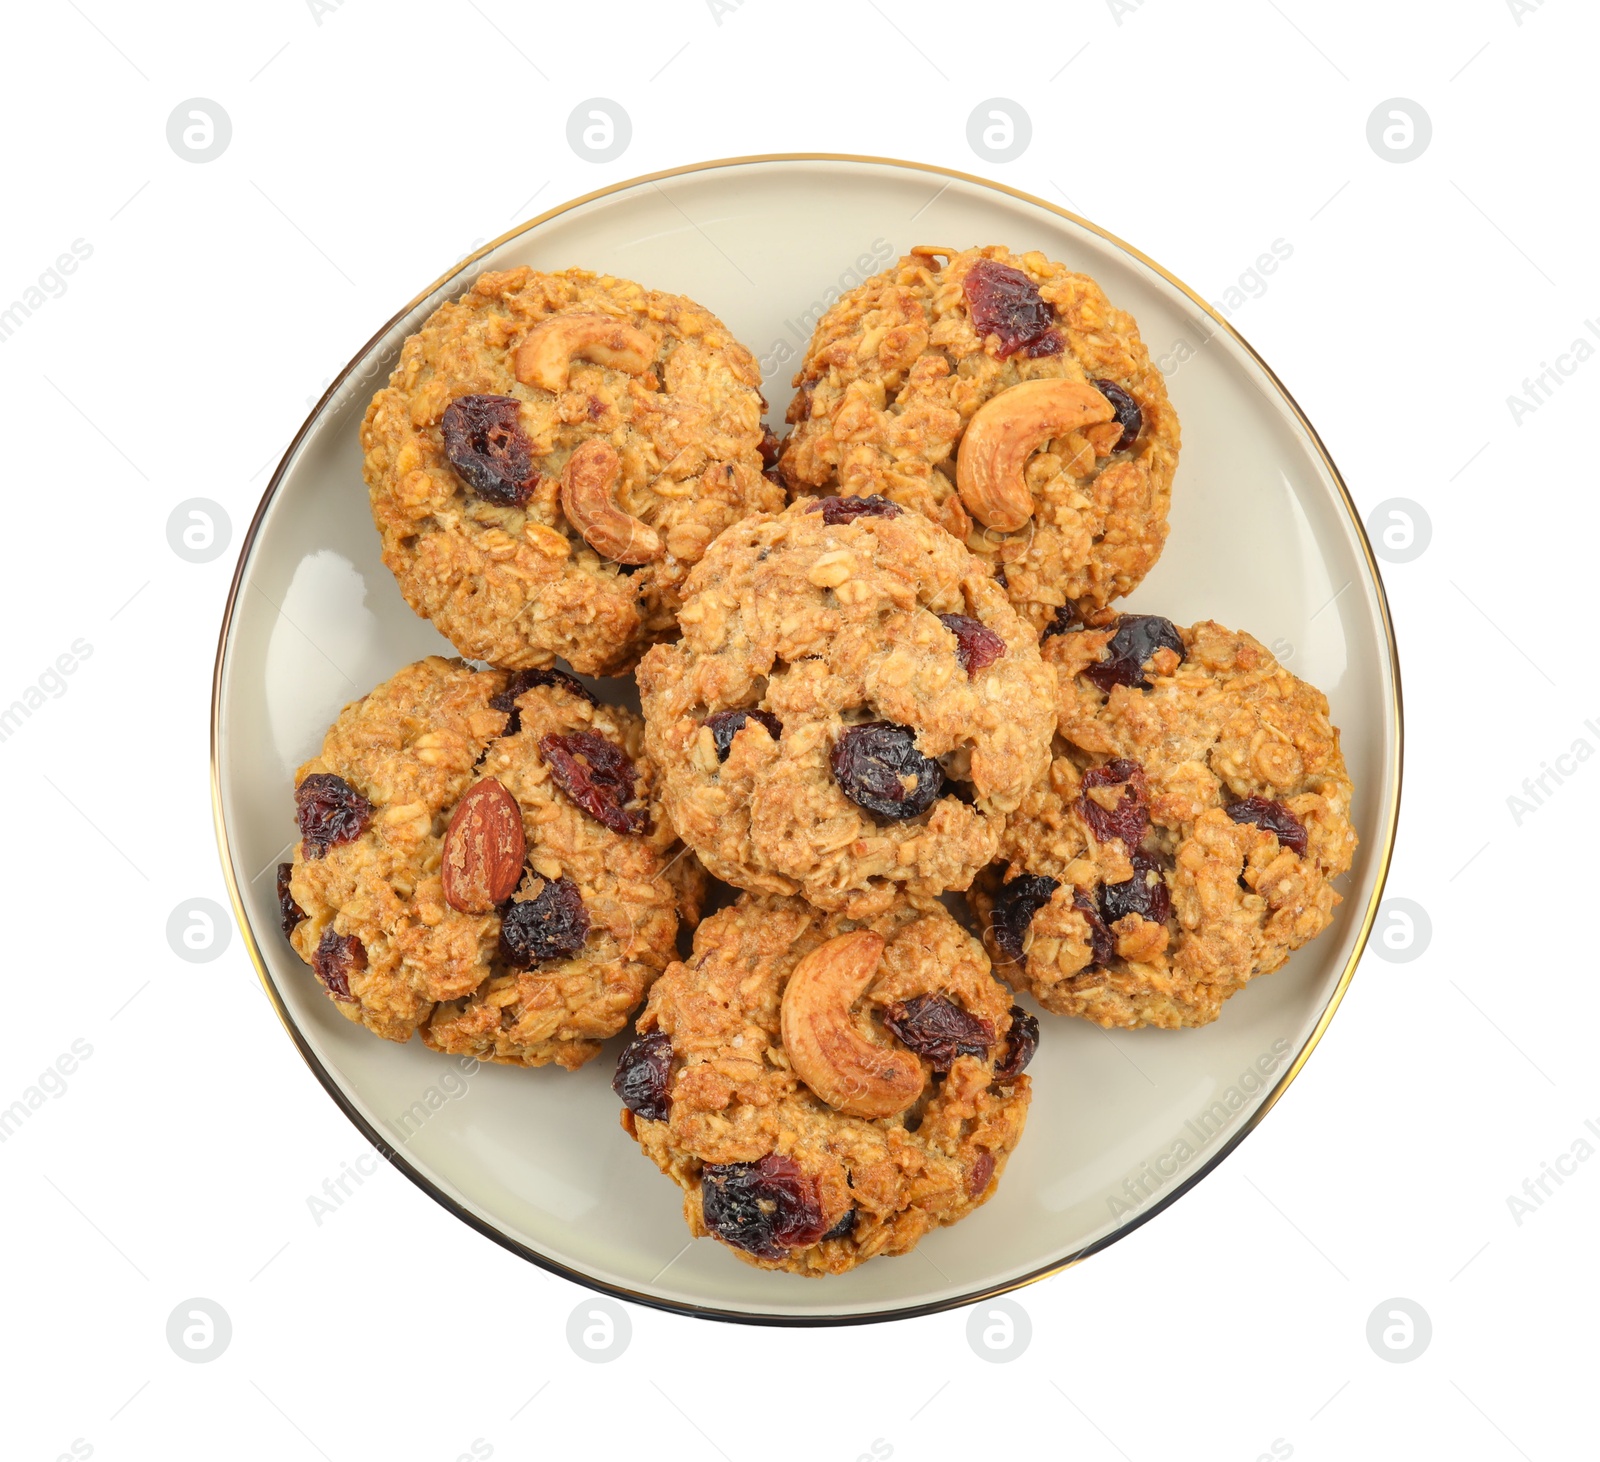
[(371, 148)]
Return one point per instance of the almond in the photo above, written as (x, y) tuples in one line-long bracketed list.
[(483, 849)]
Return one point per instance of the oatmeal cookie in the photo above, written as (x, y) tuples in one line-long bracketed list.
[(852, 709), (826, 1089), (1005, 397), (483, 857), (1186, 837), (552, 455)]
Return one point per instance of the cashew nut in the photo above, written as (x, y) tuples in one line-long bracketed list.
[(1005, 431), (554, 343), (836, 1061), (587, 484)]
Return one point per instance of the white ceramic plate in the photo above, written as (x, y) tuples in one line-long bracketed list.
[(1264, 538)]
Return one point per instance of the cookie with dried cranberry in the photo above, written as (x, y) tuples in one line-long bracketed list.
[(551, 456), (1004, 396), (827, 1089), (483, 858), (1186, 837), (852, 709)]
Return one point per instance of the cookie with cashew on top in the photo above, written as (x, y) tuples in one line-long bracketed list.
[(552, 455), (1187, 836), (852, 709), (826, 1089), (1004, 396), (483, 858)]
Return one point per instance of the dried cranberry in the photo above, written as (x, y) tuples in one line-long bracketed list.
[(1063, 621), (845, 1226), (977, 646), (769, 447), (484, 439), (597, 776), (525, 680), (1022, 1040), (725, 725), (1000, 576), (1129, 417), (1137, 638), (551, 925), (1004, 302), (836, 510), (1130, 818), (1274, 818), (1014, 908), (938, 1029), (642, 1072), (869, 763), (290, 914), (982, 1172), (764, 1208), (1102, 948), (1145, 894), (330, 812), (335, 956)]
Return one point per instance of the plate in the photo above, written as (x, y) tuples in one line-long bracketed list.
[(1264, 538)]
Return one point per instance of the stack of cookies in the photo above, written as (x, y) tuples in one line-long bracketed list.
[(878, 669)]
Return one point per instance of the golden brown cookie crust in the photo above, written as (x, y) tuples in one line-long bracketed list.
[(1226, 724), (825, 626), (519, 586), (412, 748), (736, 1098), (893, 376)]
